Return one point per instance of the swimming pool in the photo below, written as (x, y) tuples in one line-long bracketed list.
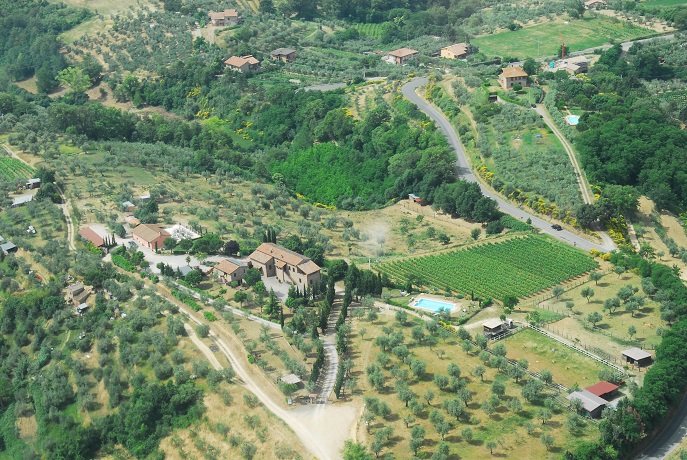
[(433, 305), (572, 119)]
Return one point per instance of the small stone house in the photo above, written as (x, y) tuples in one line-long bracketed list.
[(229, 270), (283, 55), (77, 293), (227, 18), (457, 51), (401, 56), (511, 76), (242, 64)]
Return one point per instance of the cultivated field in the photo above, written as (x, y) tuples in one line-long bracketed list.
[(544, 39), (515, 267), (11, 169)]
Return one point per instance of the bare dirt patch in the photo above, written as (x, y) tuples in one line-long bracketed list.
[(28, 426), (391, 230)]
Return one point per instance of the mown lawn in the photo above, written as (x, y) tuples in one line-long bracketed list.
[(545, 40)]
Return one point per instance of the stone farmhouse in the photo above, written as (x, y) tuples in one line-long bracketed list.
[(457, 51), (229, 17), (511, 76), (77, 293), (401, 56), (283, 55), (229, 270), (287, 266), (242, 64)]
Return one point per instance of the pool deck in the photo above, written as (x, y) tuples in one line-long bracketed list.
[(414, 300)]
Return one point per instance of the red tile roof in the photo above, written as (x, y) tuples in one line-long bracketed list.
[(602, 388), (89, 234)]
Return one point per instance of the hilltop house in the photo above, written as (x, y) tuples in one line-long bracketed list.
[(242, 64), (283, 55), (400, 56), (229, 270), (457, 51), (229, 17), (511, 76), (150, 236), (286, 265)]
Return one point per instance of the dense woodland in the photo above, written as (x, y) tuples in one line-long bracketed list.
[(627, 136)]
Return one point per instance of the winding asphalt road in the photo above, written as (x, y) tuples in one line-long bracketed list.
[(465, 173)]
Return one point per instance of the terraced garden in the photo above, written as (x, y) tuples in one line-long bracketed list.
[(11, 169), (515, 267)]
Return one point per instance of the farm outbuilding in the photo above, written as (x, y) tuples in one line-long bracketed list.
[(21, 200), (90, 235), (637, 356), (496, 326), (33, 183), (591, 403), (604, 390), (292, 379), (8, 247)]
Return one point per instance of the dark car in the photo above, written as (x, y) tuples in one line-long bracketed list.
[(557, 227), (534, 106)]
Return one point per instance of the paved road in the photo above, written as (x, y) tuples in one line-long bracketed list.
[(667, 440), (465, 173)]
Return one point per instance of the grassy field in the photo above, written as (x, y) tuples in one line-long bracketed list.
[(516, 267), (646, 320), (506, 428), (544, 39), (567, 366)]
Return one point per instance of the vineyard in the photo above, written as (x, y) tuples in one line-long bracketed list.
[(13, 169), (370, 30), (516, 267)]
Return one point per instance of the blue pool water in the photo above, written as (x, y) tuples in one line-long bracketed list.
[(433, 305), (573, 119)]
